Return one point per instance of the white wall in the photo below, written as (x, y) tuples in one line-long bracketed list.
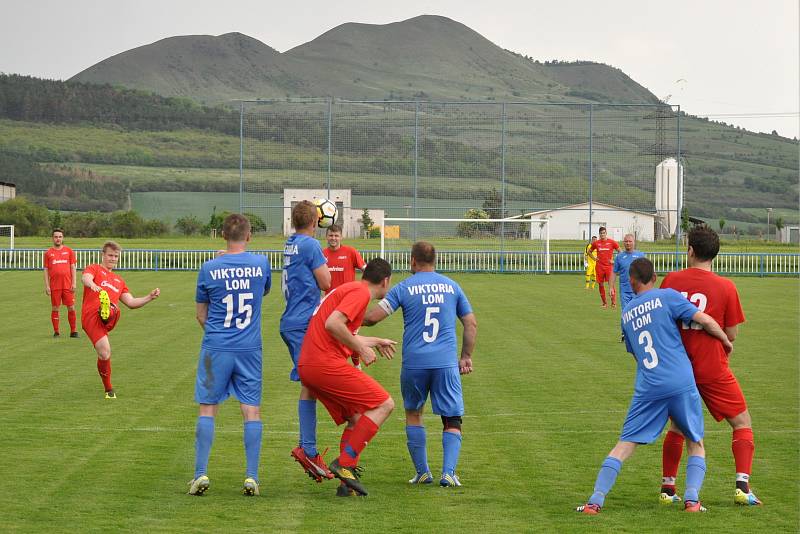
[(574, 224)]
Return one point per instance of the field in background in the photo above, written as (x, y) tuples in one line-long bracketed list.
[(543, 409)]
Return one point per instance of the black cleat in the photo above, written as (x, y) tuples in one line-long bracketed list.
[(622, 338), (344, 491), (56, 334), (73, 334), (348, 475)]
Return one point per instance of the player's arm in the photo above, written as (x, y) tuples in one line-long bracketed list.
[(732, 332), (201, 313), (87, 279), (137, 302), (336, 325), (374, 315), (74, 269), (323, 277), (710, 325), (46, 280), (467, 342)]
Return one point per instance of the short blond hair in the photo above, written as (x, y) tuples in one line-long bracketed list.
[(304, 215), (113, 245)]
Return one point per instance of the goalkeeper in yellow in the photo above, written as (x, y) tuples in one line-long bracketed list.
[(589, 261)]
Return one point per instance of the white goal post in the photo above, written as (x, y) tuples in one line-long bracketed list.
[(7, 236), (492, 244)]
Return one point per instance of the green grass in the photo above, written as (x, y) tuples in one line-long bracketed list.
[(543, 409)]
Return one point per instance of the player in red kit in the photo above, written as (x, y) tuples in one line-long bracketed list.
[(342, 260), (348, 394), (60, 279), (103, 290), (605, 247), (716, 383)]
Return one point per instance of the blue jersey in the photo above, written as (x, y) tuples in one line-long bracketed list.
[(233, 286), (652, 336), (302, 254), (622, 266), (431, 305)]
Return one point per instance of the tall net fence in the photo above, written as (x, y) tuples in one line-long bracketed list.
[(458, 160)]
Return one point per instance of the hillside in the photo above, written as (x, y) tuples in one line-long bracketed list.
[(428, 57)]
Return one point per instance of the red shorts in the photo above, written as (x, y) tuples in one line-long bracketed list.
[(343, 389), (62, 296), (95, 328), (723, 397), (602, 273)]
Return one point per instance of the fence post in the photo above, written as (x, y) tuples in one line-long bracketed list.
[(503, 213), (761, 265), (156, 261)]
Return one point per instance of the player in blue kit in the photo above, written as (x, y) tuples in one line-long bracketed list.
[(664, 387), (305, 273), (431, 303), (229, 292), (621, 265)]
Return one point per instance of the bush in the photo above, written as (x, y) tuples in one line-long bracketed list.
[(188, 225), (28, 218), (468, 229)]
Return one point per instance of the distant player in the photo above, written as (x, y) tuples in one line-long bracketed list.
[(305, 273), (342, 260), (621, 265), (431, 303), (60, 280), (103, 290), (229, 292), (590, 261), (718, 387), (605, 248), (664, 385), (348, 394)]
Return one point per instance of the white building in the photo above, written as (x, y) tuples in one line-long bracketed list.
[(349, 218), (572, 222), (7, 191)]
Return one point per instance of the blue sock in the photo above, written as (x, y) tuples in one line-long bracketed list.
[(417, 448), (252, 447), (307, 413), (203, 438), (451, 444), (695, 473), (605, 480)]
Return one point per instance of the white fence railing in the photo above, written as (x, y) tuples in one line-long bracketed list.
[(751, 264)]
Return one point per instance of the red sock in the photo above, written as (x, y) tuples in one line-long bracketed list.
[(54, 319), (671, 455), (104, 369), (362, 433), (743, 448), (73, 321), (345, 439), (602, 292)]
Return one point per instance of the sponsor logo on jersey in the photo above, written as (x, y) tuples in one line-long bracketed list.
[(107, 284)]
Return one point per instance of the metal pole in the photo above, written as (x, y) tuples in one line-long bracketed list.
[(591, 170), (680, 190), (503, 187), (241, 158), (330, 134), (416, 165)]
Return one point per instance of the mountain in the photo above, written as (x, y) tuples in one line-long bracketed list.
[(428, 57)]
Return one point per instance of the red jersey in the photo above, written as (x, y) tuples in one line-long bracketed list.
[(716, 296), (59, 267), (110, 281), (319, 347), (605, 251), (342, 264)]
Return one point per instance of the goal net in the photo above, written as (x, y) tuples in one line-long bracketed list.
[(6, 236), (471, 245)]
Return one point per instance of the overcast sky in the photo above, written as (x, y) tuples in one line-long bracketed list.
[(737, 61)]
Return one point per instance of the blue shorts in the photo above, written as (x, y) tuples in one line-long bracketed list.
[(220, 374), (444, 386), (625, 297), (294, 341), (647, 418)]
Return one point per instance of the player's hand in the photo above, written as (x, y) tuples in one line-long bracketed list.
[(47, 290), (155, 293), (728, 346), (74, 287), (366, 356), (386, 348), (465, 365)]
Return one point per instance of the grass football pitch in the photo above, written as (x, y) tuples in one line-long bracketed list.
[(544, 406)]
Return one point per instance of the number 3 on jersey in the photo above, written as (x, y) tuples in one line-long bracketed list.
[(433, 322), (244, 308), (647, 340)]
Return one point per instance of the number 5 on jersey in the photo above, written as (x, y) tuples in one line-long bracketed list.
[(244, 308), (433, 322)]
